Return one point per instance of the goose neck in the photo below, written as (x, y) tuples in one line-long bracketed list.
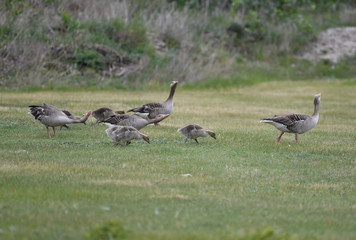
[(316, 109), (171, 93)]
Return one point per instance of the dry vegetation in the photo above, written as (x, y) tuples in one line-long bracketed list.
[(122, 44)]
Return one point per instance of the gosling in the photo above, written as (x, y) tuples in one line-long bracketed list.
[(193, 131), (125, 134)]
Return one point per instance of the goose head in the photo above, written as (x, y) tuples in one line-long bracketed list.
[(174, 83), (317, 98), (211, 133), (85, 117), (146, 138), (160, 117)]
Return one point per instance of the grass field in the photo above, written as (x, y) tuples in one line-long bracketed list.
[(243, 185)]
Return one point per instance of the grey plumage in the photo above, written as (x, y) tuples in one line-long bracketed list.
[(103, 113), (151, 110), (71, 116), (296, 123), (125, 134), (51, 116), (194, 131), (134, 120)]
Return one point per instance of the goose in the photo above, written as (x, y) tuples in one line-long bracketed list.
[(124, 133), (51, 116), (134, 120), (193, 131), (103, 113), (295, 123), (151, 110)]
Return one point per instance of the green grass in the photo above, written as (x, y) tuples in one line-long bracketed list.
[(242, 185)]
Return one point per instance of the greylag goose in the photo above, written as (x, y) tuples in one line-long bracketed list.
[(124, 133), (151, 110), (193, 131), (295, 123), (101, 114), (134, 120), (53, 117)]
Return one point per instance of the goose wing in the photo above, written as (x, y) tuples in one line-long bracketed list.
[(147, 108), (287, 119), (288, 122), (116, 119), (46, 110)]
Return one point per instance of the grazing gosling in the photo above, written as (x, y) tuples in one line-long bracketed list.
[(124, 133), (193, 131), (103, 113)]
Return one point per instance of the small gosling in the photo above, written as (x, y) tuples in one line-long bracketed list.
[(103, 113), (193, 131), (125, 134)]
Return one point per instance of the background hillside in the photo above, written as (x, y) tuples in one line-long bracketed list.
[(144, 44)]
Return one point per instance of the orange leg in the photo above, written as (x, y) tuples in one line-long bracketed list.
[(54, 131), (296, 138), (48, 132), (279, 138)]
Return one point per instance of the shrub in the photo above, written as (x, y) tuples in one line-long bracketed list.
[(88, 58), (111, 230)]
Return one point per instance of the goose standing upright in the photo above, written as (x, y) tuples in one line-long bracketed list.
[(124, 133), (151, 110), (134, 120), (295, 123), (53, 117), (103, 113), (193, 131)]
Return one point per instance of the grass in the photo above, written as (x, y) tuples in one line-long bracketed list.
[(242, 185)]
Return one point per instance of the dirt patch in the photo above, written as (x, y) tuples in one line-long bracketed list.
[(130, 183), (332, 45)]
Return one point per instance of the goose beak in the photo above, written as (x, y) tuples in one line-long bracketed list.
[(88, 113), (165, 115), (175, 82)]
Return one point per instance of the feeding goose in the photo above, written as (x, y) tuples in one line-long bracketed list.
[(193, 131), (134, 120), (53, 117), (125, 134), (151, 110), (295, 123), (103, 113)]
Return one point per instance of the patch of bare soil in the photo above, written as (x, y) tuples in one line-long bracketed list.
[(332, 45)]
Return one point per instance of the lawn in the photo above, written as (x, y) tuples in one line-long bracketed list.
[(242, 185)]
